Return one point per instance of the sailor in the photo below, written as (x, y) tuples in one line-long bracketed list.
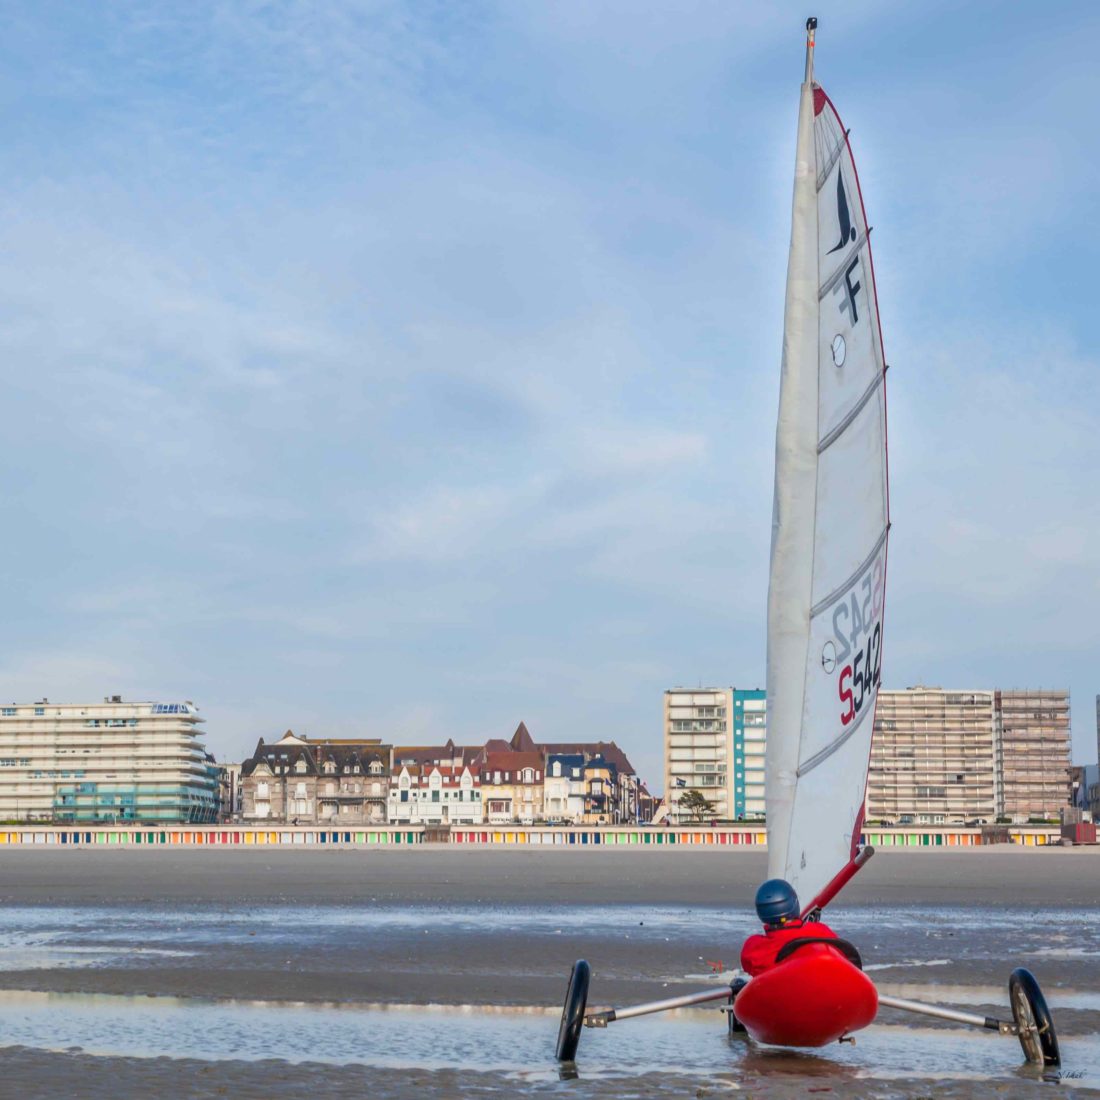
[(777, 908)]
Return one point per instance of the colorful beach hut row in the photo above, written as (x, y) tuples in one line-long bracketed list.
[(499, 836), (559, 837), (212, 835)]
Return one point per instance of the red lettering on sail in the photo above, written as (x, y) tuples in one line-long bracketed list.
[(846, 696)]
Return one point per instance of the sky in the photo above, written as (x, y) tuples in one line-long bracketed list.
[(411, 370)]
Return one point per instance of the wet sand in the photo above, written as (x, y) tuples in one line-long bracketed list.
[(996, 876), (501, 927)]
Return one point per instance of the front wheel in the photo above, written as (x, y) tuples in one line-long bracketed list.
[(572, 1013), (1034, 1023)]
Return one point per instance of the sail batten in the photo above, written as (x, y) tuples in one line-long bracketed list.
[(830, 523)]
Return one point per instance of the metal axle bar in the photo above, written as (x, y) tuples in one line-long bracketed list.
[(602, 1019), (953, 1014)]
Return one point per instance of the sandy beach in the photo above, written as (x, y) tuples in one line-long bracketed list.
[(995, 876), (467, 928)]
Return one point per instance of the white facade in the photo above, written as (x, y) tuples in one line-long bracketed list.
[(110, 761), (699, 749), (435, 795), (563, 799)]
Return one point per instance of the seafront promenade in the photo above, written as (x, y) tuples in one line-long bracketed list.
[(582, 836)]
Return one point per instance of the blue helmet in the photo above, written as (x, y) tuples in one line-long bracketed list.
[(776, 902)]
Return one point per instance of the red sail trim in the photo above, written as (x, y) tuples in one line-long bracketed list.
[(820, 99)]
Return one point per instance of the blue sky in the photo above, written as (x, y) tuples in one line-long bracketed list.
[(411, 370)]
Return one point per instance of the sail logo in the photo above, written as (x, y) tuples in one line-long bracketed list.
[(844, 216), (849, 289), (848, 286)]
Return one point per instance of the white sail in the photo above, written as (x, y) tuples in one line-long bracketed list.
[(830, 518)]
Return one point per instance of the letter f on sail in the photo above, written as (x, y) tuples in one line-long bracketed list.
[(847, 230)]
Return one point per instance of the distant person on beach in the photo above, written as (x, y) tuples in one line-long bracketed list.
[(777, 908)]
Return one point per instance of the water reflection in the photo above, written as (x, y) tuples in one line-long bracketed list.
[(511, 1041)]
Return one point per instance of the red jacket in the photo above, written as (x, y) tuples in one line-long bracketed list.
[(759, 952)]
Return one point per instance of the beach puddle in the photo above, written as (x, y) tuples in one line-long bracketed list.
[(512, 1041)]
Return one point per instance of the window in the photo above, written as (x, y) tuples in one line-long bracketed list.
[(39, 711), (8, 712), (300, 767)]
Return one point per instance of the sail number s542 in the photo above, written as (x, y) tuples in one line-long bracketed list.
[(857, 630)]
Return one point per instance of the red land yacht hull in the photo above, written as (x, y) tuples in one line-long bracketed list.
[(813, 998)]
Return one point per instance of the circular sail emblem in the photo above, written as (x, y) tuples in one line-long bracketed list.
[(839, 349)]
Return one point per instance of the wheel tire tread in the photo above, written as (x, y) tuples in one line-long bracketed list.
[(1022, 983), (572, 1013)]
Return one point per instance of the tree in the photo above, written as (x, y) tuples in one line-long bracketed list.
[(697, 804)]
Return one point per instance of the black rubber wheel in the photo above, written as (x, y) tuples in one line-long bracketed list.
[(572, 1014), (1034, 1023), (735, 1025)]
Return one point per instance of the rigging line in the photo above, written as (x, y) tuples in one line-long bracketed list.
[(855, 410), (839, 591), (834, 156), (825, 753)]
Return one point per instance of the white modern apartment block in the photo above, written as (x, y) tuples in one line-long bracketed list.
[(109, 761), (699, 749)]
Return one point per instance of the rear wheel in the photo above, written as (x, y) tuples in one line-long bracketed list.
[(735, 1025), (572, 1013), (1034, 1023)]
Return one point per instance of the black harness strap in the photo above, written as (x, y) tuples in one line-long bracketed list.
[(848, 950)]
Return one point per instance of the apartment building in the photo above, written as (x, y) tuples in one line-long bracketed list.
[(750, 736), (933, 758), (937, 756), (1033, 735), (699, 750), (109, 761)]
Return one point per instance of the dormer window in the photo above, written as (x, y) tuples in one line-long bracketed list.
[(557, 767), (330, 767), (300, 767), (376, 767)]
